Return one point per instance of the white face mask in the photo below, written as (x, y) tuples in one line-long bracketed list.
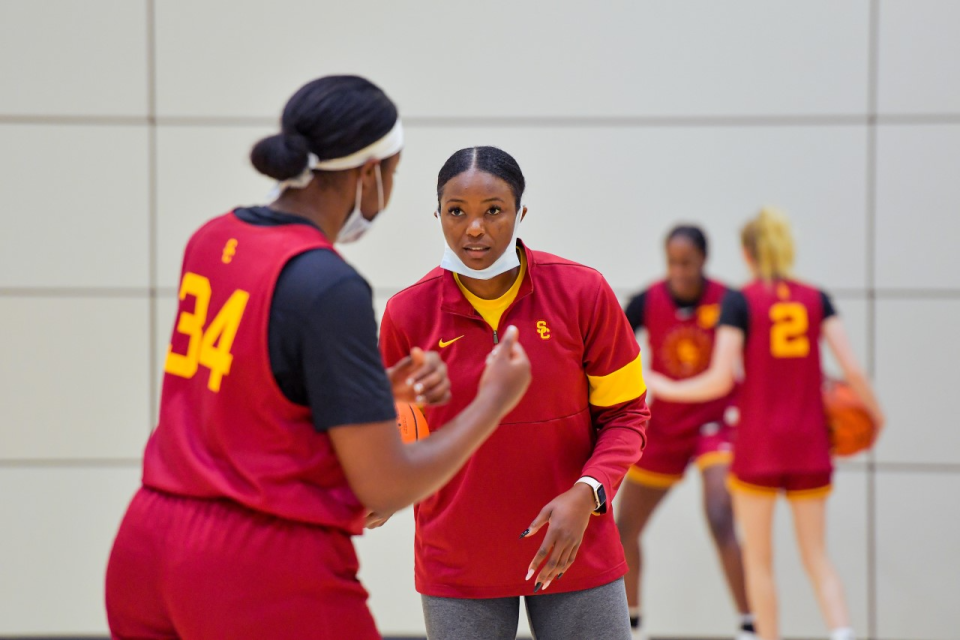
[(356, 224), (507, 260)]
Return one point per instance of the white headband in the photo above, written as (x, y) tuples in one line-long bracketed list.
[(383, 148)]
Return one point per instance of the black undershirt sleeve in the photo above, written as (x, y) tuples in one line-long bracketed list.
[(634, 310), (828, 309), (733, 311), (323, 342)]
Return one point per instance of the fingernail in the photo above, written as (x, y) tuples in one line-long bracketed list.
[(537, 588), (421, 400), (546, 584), (409, 382), (529, 574), (524, 535), (559, 575), (418, 387)]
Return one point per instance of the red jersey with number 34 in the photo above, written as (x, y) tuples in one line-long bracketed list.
[(783, 428), (226, 429)]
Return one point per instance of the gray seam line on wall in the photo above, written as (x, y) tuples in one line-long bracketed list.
[(386, 292), (510, 121), (873, 70), (887, 467), (152, 208)]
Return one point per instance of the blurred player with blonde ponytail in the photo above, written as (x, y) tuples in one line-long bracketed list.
[(775, 324)]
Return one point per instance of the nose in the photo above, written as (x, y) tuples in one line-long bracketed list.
[(475, 228)]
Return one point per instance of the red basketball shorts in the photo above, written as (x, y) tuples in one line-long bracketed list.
[(191, 569), (667, 455), (797, 486)]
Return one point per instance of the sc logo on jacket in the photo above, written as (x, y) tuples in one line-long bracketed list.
[(543, 329)]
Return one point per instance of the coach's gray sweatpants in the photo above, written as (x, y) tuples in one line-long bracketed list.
[(592, 614)]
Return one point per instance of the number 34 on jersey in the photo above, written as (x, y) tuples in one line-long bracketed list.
[(209, 343)]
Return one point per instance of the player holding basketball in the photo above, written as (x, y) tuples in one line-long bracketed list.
[(782, 444), (680, 316), (546, 477), (277, 425)]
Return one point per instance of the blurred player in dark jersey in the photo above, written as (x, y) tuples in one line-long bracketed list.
[(680, 316)]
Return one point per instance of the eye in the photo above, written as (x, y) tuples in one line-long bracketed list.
[(493, 211), (455, 211)]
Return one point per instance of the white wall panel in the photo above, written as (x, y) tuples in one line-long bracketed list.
[(60, 57), (220, 58), (75, 206), (917, 379), (918, 558), (918, 201), (919, 56), (73, 378)]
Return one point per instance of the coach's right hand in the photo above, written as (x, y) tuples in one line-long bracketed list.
[(507, 374)]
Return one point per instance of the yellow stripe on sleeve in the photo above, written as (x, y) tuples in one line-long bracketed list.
[(622, 385)]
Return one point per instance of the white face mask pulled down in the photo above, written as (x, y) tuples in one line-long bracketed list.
[(508, 259), (356, 224)]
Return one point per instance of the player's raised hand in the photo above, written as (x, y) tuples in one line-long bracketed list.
[(420, 377)]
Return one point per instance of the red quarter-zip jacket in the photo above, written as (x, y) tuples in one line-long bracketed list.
[(584, 414)]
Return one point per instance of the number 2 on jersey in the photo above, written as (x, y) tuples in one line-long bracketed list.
[(210, 347), (788, 335)]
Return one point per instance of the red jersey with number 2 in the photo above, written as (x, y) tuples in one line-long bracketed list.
[(782, 427), (226, 430)]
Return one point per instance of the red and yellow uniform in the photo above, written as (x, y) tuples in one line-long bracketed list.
[(681, 338), (782, 442), (242, 527), (584, 414)]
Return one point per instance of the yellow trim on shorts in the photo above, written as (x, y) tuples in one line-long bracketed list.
[(810, 494), (735, 484), (713, 458), (626, 383), (652, 478)]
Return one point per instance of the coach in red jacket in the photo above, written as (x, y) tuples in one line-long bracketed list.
[(548, 473)]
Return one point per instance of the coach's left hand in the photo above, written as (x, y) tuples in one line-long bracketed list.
[(421, 377), (566, 517)]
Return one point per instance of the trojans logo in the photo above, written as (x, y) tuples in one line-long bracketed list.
[(686, 352)]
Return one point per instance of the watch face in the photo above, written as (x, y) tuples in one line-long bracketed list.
[(601, 496)]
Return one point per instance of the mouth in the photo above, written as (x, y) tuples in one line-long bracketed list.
[(476, 251)]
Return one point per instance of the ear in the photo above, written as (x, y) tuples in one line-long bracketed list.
[(523, 213), (368, 171)]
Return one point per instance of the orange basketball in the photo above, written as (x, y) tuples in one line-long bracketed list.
[(411, 423), (852, 430)]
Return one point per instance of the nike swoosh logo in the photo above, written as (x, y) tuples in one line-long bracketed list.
[(448, 342)]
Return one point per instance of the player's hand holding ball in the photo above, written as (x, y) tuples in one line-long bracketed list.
[(421, 377), (507, 375)]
